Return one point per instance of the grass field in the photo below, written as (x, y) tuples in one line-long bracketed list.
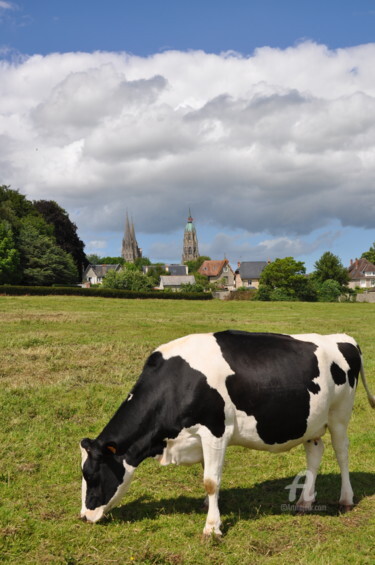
[(67, 363)]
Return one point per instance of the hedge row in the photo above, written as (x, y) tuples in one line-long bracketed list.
[(103, 292)]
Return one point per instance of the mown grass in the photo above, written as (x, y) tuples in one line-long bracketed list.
[(67, 363)]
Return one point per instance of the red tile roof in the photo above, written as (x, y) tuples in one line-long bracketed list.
[(212, 268)]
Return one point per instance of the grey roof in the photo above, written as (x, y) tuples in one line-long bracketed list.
[(177, 270), (251, 269), (102, 270), (170, 280)]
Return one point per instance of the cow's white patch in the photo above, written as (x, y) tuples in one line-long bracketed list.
[(94, 515), (202, 353), (330, 395), (84, 456), (185, 449)]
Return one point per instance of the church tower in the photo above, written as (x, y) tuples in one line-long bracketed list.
[(130, 250), (190, 249)]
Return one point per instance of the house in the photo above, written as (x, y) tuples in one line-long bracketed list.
[(174, 282), (248, 273), (94, 274), (217, 271), (361, 274)]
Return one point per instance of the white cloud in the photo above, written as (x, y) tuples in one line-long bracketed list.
[(7, 5), (282, 142), (94, 246)]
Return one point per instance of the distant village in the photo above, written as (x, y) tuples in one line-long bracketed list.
[(246, 274)]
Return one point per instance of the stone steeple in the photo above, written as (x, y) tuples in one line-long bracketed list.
[(130, 250), (190, 248)]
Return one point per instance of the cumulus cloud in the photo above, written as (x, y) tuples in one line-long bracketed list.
[(281, 142)]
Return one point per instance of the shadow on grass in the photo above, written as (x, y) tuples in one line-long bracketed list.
[(265, 498)]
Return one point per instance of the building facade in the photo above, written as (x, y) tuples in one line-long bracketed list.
[(361, 274), (130, 250), (218, 272), (190, 246)]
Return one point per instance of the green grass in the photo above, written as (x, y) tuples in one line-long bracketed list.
[(65, 366)]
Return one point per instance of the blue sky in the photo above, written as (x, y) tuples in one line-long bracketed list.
[(258, 115)]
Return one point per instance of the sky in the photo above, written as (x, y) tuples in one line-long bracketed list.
[(257, 115)]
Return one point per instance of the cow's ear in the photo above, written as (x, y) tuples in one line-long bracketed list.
[(110, 447), (86, 443)]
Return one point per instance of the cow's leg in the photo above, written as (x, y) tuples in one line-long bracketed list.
[(340, 443), (314, 451), (213, 455)]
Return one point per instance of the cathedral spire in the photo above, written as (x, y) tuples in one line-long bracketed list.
[(190, 247), (130, 250)]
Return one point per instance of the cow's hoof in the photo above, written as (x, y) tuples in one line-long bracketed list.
[(212, 533), (212, 537), (343, 508)]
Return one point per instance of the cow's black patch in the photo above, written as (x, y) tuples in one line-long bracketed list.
[(338, 374), (272, 377), (168, 396), (352, 357)]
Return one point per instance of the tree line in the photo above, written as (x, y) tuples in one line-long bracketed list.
[(39, 244)]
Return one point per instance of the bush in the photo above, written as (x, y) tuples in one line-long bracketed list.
[(100, 292), (329, 291), (242, 293)]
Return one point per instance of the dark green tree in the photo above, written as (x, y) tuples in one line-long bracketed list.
[(10, 272), (329, 267), (65, 231), (285, 279), (44, 262)]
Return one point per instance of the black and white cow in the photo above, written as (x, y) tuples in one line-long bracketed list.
[(203, 392)]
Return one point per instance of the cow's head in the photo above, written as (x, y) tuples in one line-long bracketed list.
[(106, 477)]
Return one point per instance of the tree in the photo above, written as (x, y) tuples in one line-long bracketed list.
[(95, 259), (285, 279), (44, 262), (108, 260), (65, 231), (329, 291), (193, 266), (189, 287), (127, 279), (370, 254), (9, 255), (14, 206), (329, 267)]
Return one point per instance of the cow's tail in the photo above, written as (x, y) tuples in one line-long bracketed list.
[(370, 396)]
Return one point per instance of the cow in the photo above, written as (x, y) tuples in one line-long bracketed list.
[(201, 393)]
